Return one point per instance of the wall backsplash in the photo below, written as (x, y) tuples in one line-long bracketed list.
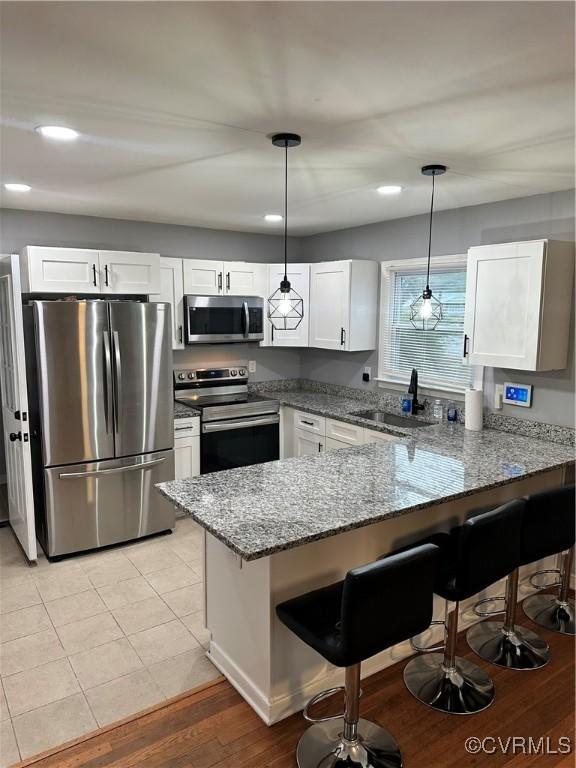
[(271, 364)]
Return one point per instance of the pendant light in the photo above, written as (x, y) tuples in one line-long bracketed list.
[(285, 306), (426, 311)]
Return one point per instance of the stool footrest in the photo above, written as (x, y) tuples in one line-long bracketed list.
[(545, 572), (320, 697), (485, 614), (429, 648)]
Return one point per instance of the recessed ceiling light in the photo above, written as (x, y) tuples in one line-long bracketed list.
[(273, 217), (58, 132), (391, 189), (13, 187)]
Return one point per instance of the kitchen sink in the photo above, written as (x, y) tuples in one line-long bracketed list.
[(393, 420)]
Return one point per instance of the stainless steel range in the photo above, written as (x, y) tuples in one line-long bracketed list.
[(237, 428)]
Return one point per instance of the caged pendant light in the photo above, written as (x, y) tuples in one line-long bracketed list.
[(285, 306), (426, 310)]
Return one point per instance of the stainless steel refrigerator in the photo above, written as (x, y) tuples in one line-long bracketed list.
[(101, 420)]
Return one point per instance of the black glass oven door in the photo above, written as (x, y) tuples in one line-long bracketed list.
[(239, 443)]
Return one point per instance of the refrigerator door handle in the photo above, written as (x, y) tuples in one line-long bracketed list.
[(112, 471), (117, 379), (108, 378)]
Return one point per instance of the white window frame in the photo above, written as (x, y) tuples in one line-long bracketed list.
[(392, 379)]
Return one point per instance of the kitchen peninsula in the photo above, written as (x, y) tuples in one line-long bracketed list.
[(279, 529)]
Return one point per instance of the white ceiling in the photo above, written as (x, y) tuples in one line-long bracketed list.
[(175, 101)]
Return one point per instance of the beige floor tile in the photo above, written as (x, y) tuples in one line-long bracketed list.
[(188, 548), (173, 578), (104, 663), (4, 711), (124, 696), (89, 633), (75, 607), (53, 724), (186, 599), (34, 688), (14, 571), (126, 592), (162, 642), (143, 615), (26, 621), (195, 624), (9, 753), (59, 583), (110, 570), (30, 651), (153, 557), (20, 596), (183, 672)]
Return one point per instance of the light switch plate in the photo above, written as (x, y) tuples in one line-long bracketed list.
[(517, 394), (251, 366)]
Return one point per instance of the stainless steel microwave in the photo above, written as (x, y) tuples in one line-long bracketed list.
[(223, 319)]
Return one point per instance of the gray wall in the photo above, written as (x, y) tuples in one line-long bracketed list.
[(550, 215)]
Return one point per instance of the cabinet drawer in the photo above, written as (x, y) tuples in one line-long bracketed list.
[(373, 436), (310, 422), (186, 427), (346, 433)]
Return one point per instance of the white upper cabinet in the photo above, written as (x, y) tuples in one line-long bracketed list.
[(123, 272), (203, 277), (518, 302), (57, 270), (343, 302), (172, 291), (80, 270), (299, 276)]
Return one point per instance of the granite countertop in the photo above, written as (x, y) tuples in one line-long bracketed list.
[(182, 411), (267, 508)]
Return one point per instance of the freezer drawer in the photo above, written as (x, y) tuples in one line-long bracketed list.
[(106, 502)]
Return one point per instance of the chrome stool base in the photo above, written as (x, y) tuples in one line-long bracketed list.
[(462, 690), (517, 649), (324, 746), (549, 612)]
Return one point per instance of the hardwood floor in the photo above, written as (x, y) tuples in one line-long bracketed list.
[(213, 727)]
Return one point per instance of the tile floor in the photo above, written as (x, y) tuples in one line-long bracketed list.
[(94, 638)]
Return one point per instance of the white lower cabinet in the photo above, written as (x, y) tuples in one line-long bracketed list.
[(334, 445), (372, 436), (307, 443), (186, 448)]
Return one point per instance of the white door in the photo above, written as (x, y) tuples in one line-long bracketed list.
[(186, 457), (203, 277), (330, 304), (15, 407), (126, 272), (307, 444), (299, 276), (245, 279), (172, 292), (503, 303), (61, 270)]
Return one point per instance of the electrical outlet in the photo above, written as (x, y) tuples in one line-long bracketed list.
[(498, 396), (251, 366), (367, 374)]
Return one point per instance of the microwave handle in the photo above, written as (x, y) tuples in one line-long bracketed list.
[(246, 318)]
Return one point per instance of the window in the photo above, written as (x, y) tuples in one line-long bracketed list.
[(436, 354)]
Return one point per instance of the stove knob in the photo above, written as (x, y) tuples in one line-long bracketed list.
[(190, 375), (181, 376), (242, 372), (233, 373)]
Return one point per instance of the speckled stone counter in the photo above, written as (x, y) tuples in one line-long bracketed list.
[(182, 411), (267, 508)]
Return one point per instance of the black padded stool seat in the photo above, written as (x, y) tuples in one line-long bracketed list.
[(481, 551), (375, 607), (549, 529)]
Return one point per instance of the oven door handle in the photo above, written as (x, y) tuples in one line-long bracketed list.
[(224, 426)]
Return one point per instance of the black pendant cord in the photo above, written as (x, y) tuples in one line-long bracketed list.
[(430, 237), (286, 211)]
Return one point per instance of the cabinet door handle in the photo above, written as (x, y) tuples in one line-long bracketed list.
[(310, 423), (227, 281), (465, 350), (319, 447), (94, 274), (106, 274), (272, 334), (180, 334), (342, 337), (219, 281)]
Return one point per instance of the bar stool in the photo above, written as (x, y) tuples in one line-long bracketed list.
[(549, 530), (472, 556), (375, 607)]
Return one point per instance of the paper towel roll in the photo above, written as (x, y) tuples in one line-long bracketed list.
[(473, 404)]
